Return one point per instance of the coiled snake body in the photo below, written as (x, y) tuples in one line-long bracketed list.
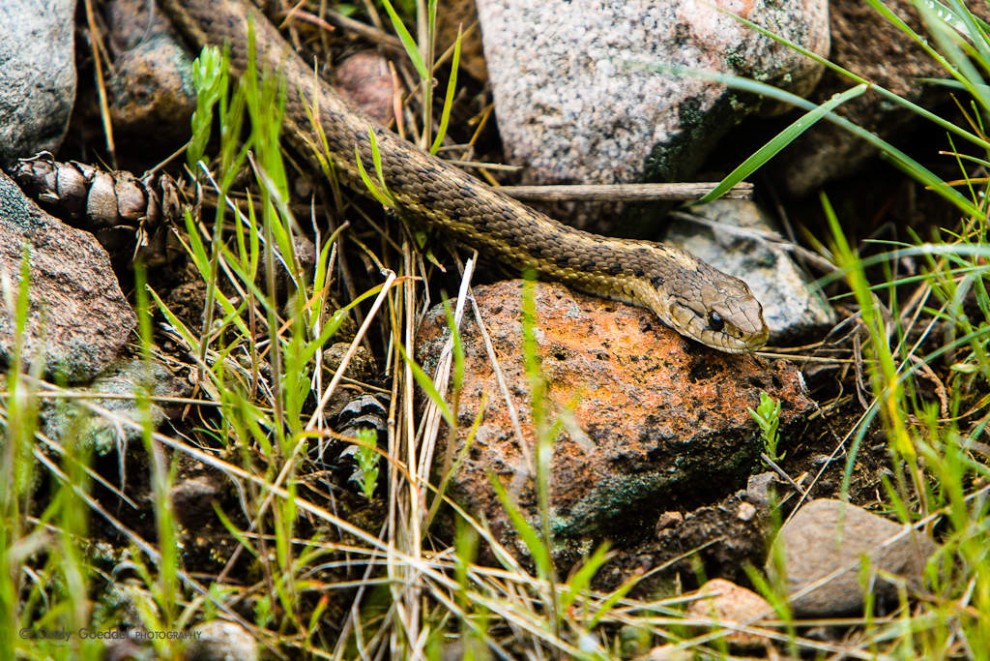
[(687, 294)]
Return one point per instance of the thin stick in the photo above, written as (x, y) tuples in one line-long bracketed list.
[(623, 192)]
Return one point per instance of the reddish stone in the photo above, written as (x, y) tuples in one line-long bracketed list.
[(365, 80), (653, 416), (78, 319), (731, 606)]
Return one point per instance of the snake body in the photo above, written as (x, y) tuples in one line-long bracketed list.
[(687, 294)]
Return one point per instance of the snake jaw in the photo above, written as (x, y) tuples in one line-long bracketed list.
[(724, 315)]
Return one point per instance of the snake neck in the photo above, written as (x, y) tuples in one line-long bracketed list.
[(684, 292)]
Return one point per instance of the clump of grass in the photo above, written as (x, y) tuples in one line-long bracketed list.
[(928, 328)]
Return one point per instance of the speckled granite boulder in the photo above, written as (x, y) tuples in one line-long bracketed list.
[(647, 415), (37, 76), (78, 318), (579, 98)]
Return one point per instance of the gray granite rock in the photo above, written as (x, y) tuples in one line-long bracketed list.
[(823, 546), (37, 76), (579, 98), (78, 319), (732, 237)]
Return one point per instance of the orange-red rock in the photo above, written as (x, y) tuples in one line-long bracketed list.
[(653, 415)]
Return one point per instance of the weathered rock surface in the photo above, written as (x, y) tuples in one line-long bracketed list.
[(151, 90), (37, 76), (579, 98), (116, 390), (888, 59), (454, 15), (193, 500), (729, 605), (79, 319), (647, 415), (824, 544), (791, 307)]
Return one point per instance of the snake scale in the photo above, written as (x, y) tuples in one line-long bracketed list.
[(687, 294)]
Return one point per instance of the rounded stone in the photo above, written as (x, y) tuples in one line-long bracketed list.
[(589, 91), (37, 76)]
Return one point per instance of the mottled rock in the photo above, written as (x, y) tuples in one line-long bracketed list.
[(37, 76), (646, 414), (79, 319), (760, 488), (116, 390), (579, 96), (364, 78), (730, 606), (733, 240), (822, 548), (219, 640), (888, 59), (151, 90)]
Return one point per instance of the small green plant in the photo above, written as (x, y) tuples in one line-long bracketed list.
[(367, 457), (209, 74), (767, 417)]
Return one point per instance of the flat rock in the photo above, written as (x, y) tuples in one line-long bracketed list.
[(580, 96), (646, 414), (825, 542), (79, 319), (734, 240), (37, 76)]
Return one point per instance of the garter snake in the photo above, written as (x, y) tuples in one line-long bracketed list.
[(687, 294)]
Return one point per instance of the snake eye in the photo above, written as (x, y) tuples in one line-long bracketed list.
[(715, 321)]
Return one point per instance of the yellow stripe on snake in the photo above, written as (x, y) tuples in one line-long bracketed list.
[(687, 294)]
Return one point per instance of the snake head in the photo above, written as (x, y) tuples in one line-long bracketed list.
[(719, 311)]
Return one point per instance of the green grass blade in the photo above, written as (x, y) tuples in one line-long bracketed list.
[(779, 142), (904, 162), (448, 102), (412, 50)]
